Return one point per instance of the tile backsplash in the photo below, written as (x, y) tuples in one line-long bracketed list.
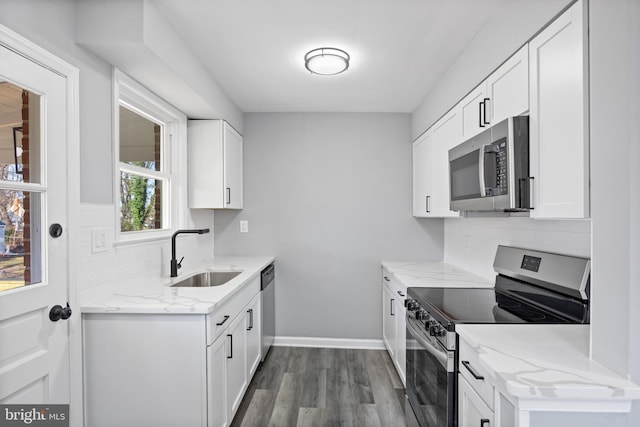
[(471, 243)]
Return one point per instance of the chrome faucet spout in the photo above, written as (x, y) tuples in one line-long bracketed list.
[(175, 265)]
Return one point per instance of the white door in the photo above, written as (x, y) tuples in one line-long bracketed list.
[(34, 351)]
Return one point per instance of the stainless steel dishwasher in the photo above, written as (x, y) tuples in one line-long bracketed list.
[(268, 303)]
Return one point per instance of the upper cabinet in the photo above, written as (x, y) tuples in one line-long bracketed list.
[(431, 167), (503, 94), (215, 165), (547, 79), (558, 122)]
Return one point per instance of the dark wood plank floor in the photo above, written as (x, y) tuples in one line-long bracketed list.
[(304, 387)]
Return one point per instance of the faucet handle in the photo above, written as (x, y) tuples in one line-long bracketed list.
[(180, 263)]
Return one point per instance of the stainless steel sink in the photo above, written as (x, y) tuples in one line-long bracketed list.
[(207, 279)]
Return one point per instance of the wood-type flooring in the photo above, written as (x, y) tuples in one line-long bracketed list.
[(303, 387)]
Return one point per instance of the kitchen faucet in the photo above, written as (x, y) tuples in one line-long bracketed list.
[(175, 265)]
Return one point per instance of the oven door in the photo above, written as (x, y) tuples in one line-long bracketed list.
[(431, 378)]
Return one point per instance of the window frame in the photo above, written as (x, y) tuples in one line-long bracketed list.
[(132, 95)]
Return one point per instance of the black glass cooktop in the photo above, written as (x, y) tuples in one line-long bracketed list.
[(490, 305)]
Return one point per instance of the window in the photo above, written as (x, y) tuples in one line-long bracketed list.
[(150, 156)]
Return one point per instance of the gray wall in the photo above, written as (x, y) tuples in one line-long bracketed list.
[(329, 195)]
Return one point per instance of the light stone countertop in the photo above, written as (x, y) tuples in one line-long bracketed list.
[(434, 274), (548, 367), (157, 296)]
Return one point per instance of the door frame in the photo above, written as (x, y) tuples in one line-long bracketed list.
[(22, 46)]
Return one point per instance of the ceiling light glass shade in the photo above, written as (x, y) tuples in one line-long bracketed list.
[(327, 61)]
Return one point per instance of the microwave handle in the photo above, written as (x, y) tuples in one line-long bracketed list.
[(483, 188), (523, 183)]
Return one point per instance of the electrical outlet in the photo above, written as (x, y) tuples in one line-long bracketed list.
[(101, 240), (244, 226)]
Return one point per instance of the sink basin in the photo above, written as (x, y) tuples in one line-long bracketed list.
[(207, 279)]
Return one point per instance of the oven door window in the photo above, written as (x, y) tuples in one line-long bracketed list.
[(465, 176), (430, 385)]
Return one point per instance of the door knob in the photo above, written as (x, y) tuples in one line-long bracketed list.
[(58, 312)]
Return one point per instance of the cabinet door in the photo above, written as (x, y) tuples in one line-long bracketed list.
[(401, 336), (558, 127), (232, 168), (254, 332), (422, 175), (236, 339), (217, 383), (474, 117), (472, 411), (446, 135), (508, 88), (389, 308)]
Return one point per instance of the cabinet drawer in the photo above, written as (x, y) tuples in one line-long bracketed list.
[(477, 377), (223, 315)]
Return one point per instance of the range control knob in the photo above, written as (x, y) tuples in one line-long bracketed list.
[(421, 315), (435, 330), (412, 305)]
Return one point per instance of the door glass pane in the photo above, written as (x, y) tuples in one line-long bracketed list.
[(19, 134), (140, 203), (140, 140), (20, 239)]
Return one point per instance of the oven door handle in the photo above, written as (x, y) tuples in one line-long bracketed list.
[(439, 353)]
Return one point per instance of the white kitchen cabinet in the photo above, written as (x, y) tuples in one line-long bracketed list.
[(558, 121), (389, 328), (508, 88), (215, 165), (476, 392), (217, 383), (431, 167), (503, 94), (236, 363), (394, 322), (422, 174), (472, 111), (472, 410), (171, 369), (254, 332)]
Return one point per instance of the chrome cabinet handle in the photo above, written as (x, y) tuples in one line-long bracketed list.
[(485, 421), (467, 365), (392, 313), (250, 312), (228, 195), (400, 293), (428, 204), (222, 323), (230, 346), (386, 278), (480, 115)]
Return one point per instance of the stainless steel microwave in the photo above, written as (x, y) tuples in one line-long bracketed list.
[(490, 172)]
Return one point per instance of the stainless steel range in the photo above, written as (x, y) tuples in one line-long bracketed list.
[(531, 287)]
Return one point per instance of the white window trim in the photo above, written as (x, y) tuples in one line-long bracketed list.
[(136, 97)]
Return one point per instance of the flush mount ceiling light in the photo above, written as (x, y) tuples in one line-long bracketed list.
[(326, 61)]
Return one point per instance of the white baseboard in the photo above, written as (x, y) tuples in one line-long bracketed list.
[(329, 343)]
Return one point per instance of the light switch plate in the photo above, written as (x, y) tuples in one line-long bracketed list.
[(244, 226), (101, 240)]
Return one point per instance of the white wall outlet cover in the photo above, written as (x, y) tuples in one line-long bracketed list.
[(101, 240), (244, 226)]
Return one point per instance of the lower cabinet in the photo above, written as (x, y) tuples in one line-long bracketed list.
[(394, 323), (171, 369), (232, 360), (472, 411)]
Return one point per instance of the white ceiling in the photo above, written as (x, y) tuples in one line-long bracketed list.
[(399, 48)]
